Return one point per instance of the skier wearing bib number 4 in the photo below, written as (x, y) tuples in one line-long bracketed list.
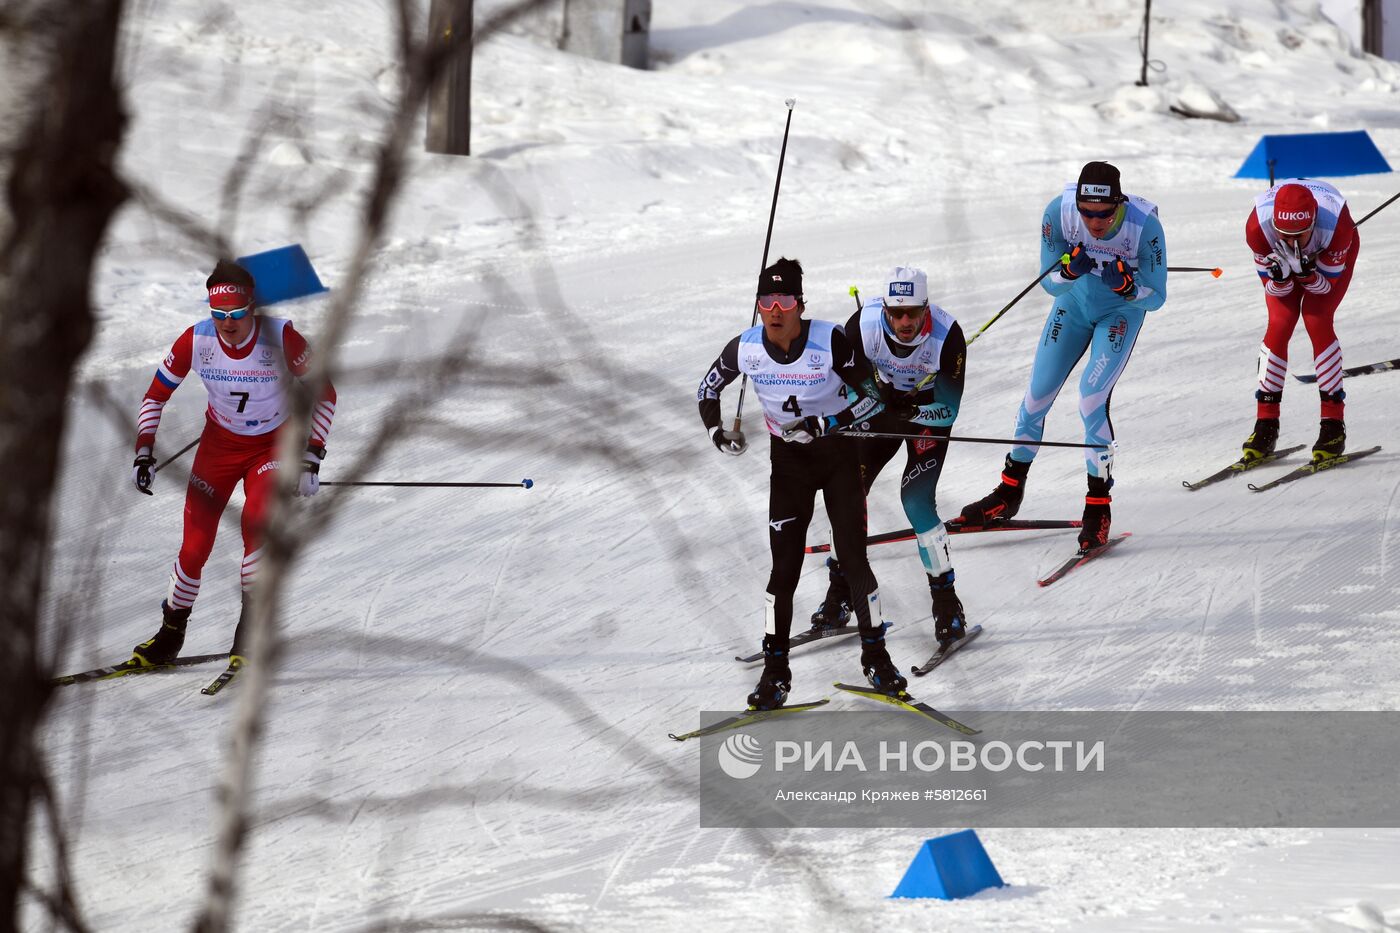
[(1305, 245), (918, 351), (798, 368), (1113, 271), (249, 363)]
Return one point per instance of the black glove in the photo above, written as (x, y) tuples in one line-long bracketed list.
[(1119, 278), (143, 471), (1078, 263), (729, 442), (1307, 265), (901, 406), (804, 430), (1278, 269)]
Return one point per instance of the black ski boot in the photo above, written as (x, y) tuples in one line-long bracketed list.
[(166, 644), (879, 669), (1331, 440), (835, 609), (948, 620), (775, 683), (1262, 441), (1097, 514), (243, 634), (1002, 502)]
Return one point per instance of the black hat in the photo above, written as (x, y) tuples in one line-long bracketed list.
[(783, 277), (1098, 182)]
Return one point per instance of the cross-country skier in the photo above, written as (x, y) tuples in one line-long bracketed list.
[(1305, 246), (1113, 271), (918, 351), (797, 368), (248, 363)]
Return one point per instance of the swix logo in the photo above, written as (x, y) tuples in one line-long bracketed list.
[(1099, 365), (1293, 215), (1117, 334), (203, 485)]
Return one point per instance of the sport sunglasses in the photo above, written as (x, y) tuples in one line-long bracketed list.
[(1099, 215), (777, 302), (237, 314)]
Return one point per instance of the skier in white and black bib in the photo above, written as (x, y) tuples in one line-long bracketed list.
[(798, 368)]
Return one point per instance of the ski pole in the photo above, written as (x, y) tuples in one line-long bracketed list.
[(767, 240), (1024, 292), (967, 440), (1214, 272), (175, 456), (1373, 213), (855, 293), (524, 483)]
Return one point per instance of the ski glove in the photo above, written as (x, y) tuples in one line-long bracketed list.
[(143, 471), (1119, 278), (1076, 262), (1278, 269), (729, 442), (309, 483), (804, 430), (1307, 269)]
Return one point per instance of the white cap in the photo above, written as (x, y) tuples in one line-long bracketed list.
[(906, 286)]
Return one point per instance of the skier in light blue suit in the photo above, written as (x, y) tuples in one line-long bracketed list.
[(1113, 271)]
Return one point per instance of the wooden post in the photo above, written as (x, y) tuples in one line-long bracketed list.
[(450, 99)]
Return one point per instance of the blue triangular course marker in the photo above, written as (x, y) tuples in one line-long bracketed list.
[(1314, 155), (948, 868), (282, 274)]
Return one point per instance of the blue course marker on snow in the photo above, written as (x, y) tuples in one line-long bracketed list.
[(948, 868), (1314, 155), (282, 274)]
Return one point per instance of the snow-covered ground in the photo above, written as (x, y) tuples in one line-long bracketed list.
[(469, 729)]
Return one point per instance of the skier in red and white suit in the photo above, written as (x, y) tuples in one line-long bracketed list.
[(1305, 247), (249, 364)]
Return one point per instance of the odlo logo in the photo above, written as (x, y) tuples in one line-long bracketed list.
[(741, 756)]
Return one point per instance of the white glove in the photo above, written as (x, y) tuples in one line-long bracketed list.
[(729, 442), (309, 483), (804, 430), (1291, 258)]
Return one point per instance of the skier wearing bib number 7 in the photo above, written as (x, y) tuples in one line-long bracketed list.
[(1113, 271), (249, 364)]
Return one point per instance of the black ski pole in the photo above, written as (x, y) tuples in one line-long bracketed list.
[(175, 456), (767, 241), (969, 440), (1024, 292), (1373, 213), (855, 293), (1216, 272), (524, 484)]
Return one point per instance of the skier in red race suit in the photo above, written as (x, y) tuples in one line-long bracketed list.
[(248, 363), (1305, 247)]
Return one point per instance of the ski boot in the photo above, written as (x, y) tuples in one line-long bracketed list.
[(948, 620), (879, 669), (835, 609), (1097, 514), (1261, 442), (1003, 501), (775, 682), (165, 646), (243, 634), (1331, 440)]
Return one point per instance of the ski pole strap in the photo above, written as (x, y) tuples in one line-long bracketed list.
[(523, 484), (966, 440)]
